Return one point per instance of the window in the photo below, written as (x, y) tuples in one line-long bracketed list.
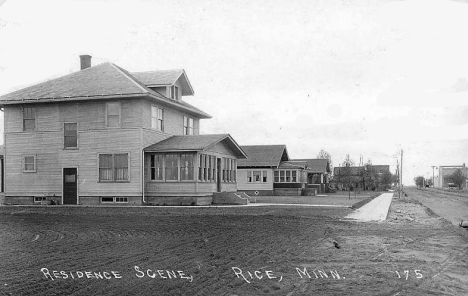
[(172, 164), (174, 92), (29, 163), (39, 198), (156, 167), (113, 167), (186, 166), (114, 199), (256, 176), (201, 165), (157, 119), (70, 135), (188, 126), (121, 167), (284, 176), (229, 170), (107, 199), (113, 114), (29, 118)]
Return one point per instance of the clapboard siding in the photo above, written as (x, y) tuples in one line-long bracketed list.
[(220, 149), (51, 158), (242, 183), (173, 120), (173, 188)]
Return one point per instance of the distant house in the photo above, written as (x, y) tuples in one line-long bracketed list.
[(104, 135), (269, 171), (318, 172), (357, 175)]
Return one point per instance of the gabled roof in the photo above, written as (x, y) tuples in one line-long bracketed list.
[(165, 77), (196, 143), (316, 165), (104, 81), (264, 156), (292, 165)]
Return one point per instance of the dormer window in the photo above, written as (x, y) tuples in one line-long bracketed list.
[(174, 92)]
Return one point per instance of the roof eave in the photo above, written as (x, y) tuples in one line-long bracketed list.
[(68, 99)]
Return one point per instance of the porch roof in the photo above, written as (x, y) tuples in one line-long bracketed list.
[(196, 143)]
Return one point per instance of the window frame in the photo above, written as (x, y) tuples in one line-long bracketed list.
[(286, 176), (113, 168), (159, 118), (107, 114), (155, 167), (174, 94), (33, 108), (23, 163), (64, 136), (188, 126)]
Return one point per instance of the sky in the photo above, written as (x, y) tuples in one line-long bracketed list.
[(368, 78)]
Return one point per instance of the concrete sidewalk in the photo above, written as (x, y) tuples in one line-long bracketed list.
[(375, 210)]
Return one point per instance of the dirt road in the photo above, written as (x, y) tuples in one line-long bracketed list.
[(451, 206)]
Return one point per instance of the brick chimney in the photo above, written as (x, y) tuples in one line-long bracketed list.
[(85, 61)]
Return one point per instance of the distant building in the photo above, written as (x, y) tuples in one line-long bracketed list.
[(443, 181), (358, 176)]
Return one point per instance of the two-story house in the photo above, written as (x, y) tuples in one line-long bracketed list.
[(103, 135)]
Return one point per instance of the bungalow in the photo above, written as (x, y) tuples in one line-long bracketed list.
[(318, 173), (269, 171), (104, 135)]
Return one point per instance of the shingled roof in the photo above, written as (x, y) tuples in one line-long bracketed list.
[(165, 77), (196, 143), (315, 165), (264, 156), (104, 81)]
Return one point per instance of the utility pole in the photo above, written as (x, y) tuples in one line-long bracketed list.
[(398, 178), (433, 180), (401, 166)]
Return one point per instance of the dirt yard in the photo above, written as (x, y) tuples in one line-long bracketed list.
[(229, 251)]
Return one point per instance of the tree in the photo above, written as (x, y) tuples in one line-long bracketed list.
[(325, 155), (419, 181), (346, 174), (386, 180), (430, 182), (458, 178), (369, 175)]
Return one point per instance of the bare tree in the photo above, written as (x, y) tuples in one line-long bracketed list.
[(325, 155), (347, 176)]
